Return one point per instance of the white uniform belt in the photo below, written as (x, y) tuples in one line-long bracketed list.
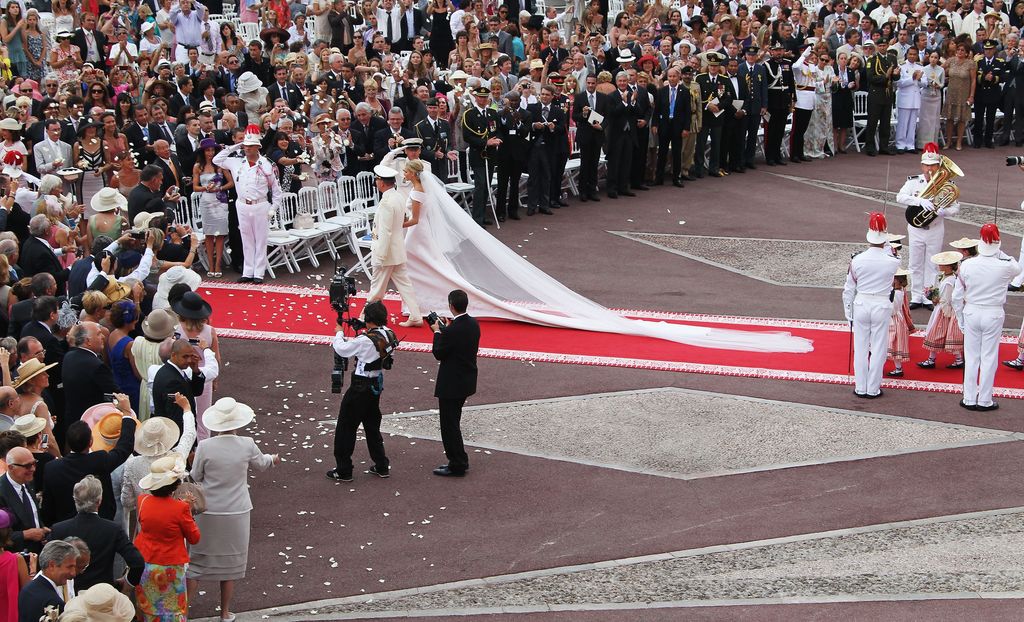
[(975, 305), (254, 201), (873, 296)]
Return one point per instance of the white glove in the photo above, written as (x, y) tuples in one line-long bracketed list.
[(927, 204)]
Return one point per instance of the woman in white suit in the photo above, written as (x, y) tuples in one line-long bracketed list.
[(222, 465)]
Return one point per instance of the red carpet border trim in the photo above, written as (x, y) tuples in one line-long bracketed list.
[(605, 361)]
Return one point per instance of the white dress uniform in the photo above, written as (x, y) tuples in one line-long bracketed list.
[(908, 105), (925, 242), (867, 305), (978, 298), (253, 183)]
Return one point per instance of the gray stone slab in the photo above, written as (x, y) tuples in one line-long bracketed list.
[(688, 433)]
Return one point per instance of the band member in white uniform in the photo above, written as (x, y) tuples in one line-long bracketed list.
[(867, 305), (978, 298), (924, 241), (259, 195)]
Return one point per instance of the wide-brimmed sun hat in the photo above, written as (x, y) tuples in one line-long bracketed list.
[(156, 436), (107, 200), (226, 414), (158, 325), (163, 472), (192, 307), (107, 430), (29, 425), (102, 603), (29, 370)]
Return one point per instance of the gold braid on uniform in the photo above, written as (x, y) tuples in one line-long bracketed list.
[(482, 134)]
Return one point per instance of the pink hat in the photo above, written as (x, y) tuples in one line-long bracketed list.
[(32, 84)]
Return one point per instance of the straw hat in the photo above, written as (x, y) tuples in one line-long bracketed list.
[(158, 325), (29, 370), (964, 243), (226, 414), (141, 221), (163, 472), (947, 258), (536, 64), (107, 200), (102, 603), (903, 272), (116, 290), (107, 430), (248, 82), (10, 124), (156, 436), (29, 425), (324, 117), (192, 307), (458, 74)]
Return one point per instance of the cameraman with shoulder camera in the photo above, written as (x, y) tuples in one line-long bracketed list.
[(361, 403)]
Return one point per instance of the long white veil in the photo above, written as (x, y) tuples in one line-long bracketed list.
[(447, 250)]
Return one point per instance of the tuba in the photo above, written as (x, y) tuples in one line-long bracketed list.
[(942, 192)]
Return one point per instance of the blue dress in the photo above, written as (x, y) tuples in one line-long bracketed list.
[(124, 376)]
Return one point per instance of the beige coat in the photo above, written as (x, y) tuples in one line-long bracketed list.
[(388, 234)]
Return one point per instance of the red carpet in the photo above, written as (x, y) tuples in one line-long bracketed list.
[(303, 315)]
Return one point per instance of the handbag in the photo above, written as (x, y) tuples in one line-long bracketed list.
[(190, 488)]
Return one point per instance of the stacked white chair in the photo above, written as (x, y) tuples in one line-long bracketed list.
[(308, 204), (366, 193), (280, 247), (459, 189), (248, 31), (360, 241), (309, 239)]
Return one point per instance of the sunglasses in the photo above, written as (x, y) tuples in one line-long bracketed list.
[(94, 91), (30, 465)]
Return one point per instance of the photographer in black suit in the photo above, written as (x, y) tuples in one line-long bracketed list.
[(456, 343)]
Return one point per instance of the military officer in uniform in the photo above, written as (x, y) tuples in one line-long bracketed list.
[(868, 308), (561, 156), (479, 128), (716, 96), (979, 294), (882, 70), (696, 119), (988, 94), (436, 135), (781, 95), (753, 75), (513, 154), (927, 240)]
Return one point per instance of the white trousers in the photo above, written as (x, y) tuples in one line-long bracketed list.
[(1019, 279), (983, 326), (870, 339), (906, 128), (254, 225), (398, 275), (923, 244)]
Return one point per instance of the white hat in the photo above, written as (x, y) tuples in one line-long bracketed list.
[(989, 240), (964, 243), (107, 200), (930, 154), (29, 425), (147, 26), (142, 219), (163, 63), (10, 124), (458, 74), (12, 171), (385, 172), (163, 472), (947, 258), (877, 229), (627, 57), (63, 34), (248, 82), (156, 436), (102, 603), (226, 414), (177, 274)]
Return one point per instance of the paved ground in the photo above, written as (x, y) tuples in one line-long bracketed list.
[(521, 510)]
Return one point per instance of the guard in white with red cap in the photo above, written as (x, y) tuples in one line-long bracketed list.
[(978, 298), (868, 307), (259, 195), (924, 241)]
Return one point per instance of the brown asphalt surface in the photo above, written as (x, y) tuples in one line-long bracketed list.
[(503, 516)]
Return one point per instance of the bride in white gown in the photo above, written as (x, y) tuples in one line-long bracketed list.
[(446, 250)]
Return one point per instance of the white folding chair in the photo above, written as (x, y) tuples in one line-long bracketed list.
[(572, 165), (309, 238), (366, 193), (309, 205), (459, 189), (360, 239), (860, 119), (329, 199), (248, 31), (280, 246)]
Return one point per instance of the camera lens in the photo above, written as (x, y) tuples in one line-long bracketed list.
[(1014, 160)]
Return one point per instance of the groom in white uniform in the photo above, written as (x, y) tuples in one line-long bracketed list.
[(398, 158), (388, 252)]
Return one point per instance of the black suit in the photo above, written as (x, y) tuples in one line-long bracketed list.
[(86, 378), (381, 146), (292, 95), (22, 520), (175, 102), (436, 137), (589, 140), (169, 381), (513, 154), (105, 538), (620, 126), (142, 199), (78, 40), (138, 141), (553, 57), (370, 132), (37, 256), (169, 177), (544, 155), (21, 315), (405, 43), (63, 473), (734, 130), (455, 346), (187, 157), (644, 112), (37, 595), (671, 121)]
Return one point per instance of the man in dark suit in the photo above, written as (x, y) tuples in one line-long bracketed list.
[(548, 124), (43, 284), (17, 495), (734, 128), (38, 256), (554, 54), (391, 137), (436, 134), (620, 125), (644, 111), (170, 165), (455, 345), (589, 135), (180, 374), (186, 148), (57, 565), (150, 195), (755, 105), (513, 153), (42, 328), (181, 97), (86, 377), (671, 124), (283, 89), (716, 96), (90, 41), (164, 127), (104, 537), (367, 126), (62, 474), (412, 26), (141, 134)]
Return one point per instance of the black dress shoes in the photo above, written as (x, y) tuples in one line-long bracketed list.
[(445, 471), (628, 193), (678, 183), (659, 182), (992, 406), (686, 177), (501, 219), (595, 198), (545, 210), (968, 406), (916, 305), (245, 279), (641, 187), (780, 162), (584, 198), (613, 195), (560, 203), (750, 166), (513, 216)]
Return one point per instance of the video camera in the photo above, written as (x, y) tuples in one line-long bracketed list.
[(1014, 160), (340, 290)]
